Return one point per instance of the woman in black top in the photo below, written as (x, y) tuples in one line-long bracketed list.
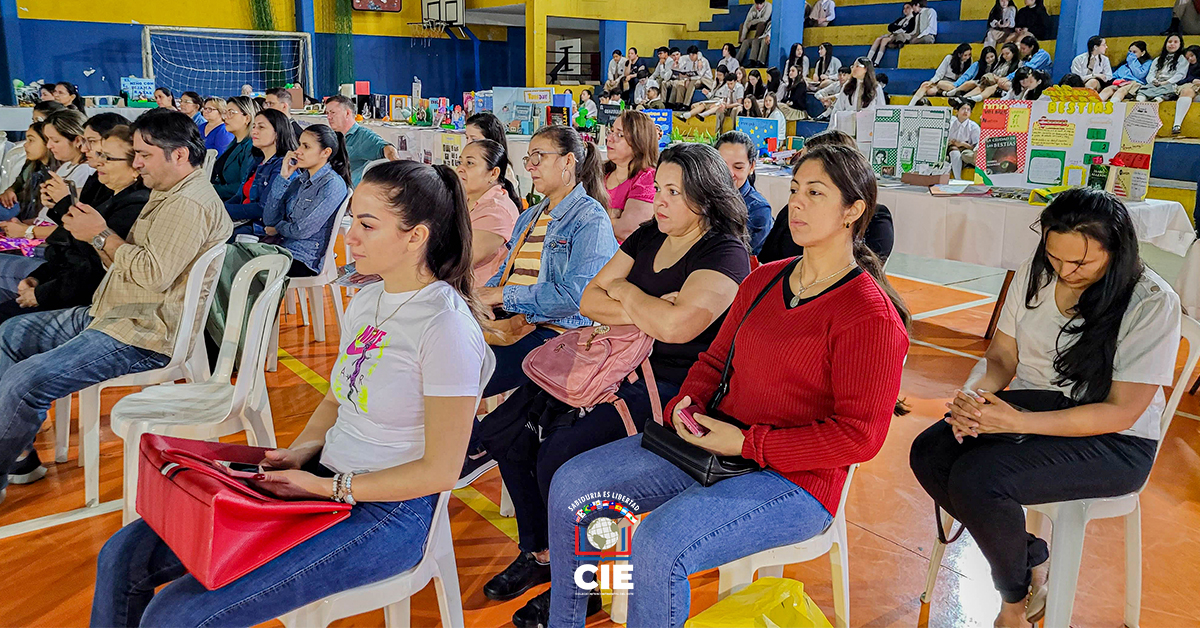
[(1032, 19), (673, 278)]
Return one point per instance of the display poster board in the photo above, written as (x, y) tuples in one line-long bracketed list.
[(904, 138), (452, 145), (759, 130), (521, 109), (663, 120)]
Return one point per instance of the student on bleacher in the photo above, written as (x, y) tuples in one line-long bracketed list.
[(720, 101), (362, 144), (1093, 66), (189, 104), (394, 455), (1028, 84), (164, 98), (792, 96), (754, 34), (829, 94), (653, 99), (643, 83), (879, 236), (861, 92), (948, 71), (216, 136), (770, 109), (632, 149), (1032, 57), (301, 203), (748, 107), (1134, 69), (271, 138), (1185, 18), (68, 96), (963, 137), (682, 70), (131, 324), (817, 370), (1187, 88), (1032, 19), (662, 70), (985, 86), (796, 57), (825, 72), (1002, 23), (906, 23), (632, 74), (821, 13), (1165, 73), (23, 198), (974, 75), (755, 86), (280, 99), (493, 203), (741, 156), (1083, 319), (616, 70), (234, 166), (674, 279), (926, 30)]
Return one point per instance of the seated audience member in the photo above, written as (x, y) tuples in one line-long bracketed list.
[(729, 58), (741, 154), (280, 100), (1071, 80), (964, 136), (944, 78), (672, 88), (23, 198), (216, 136), (43, 109), (1033, 19), (1002, 23), (721, 102), (493, 203), (878, 236), (234, 166), (748, 107), (770, 109), (631, 75), (486, 126), (1165, 73), (822, 13), (662, 68), (985, 86), (640, 91), (616, 70), (1032, 57), (557, 247), (164, 98), (754, 35), (588, 106), (131, 323), (46, 93), (1185, 19), (674, 279), (1187, 88), (362, 144), (825, 72), (793, 95), (861, 92), (814, 403), (299, 210), (190, 104), (755, 87), (925, 31), (1134, 69), (272, 138), (64, 132), (394, 456), (1093, 66), (906, 23), (1087, 339), (632, 147), (882, 80), (653, 99), (68, 96), (702, 75), (796, 57), (1028, 84), (974, 75)]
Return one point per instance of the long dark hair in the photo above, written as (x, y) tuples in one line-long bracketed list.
[(868, 85), (957, 65), (336, 142), (1004, 68), (823, 62), (1140, 45), (285, 138), (741, 139), (997, 12), (419, 194), (754, 111), (587, 159), (1164, 57), (1087, 363), (495, 156), (794, 54), (76, 100), (1020, 75), (983, 67), (708, 189), (492, 129)]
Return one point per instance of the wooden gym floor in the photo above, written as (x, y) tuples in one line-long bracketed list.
[(51, 570)]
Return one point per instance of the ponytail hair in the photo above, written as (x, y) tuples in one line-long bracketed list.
[(588, 165), (419, 194), (495, 156), (76, 99), (328, 138)]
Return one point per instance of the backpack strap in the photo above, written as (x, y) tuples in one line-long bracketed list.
[(655, 400)]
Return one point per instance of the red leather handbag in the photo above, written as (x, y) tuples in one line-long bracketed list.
[(220, 527)]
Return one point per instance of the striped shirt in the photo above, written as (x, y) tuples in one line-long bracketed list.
[(528, 260)]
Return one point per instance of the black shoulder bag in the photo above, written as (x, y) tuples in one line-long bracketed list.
[(704, 466)]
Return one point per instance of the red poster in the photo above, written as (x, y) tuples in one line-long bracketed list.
[(392, 6)]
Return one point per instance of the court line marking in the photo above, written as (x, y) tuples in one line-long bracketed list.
[(60, 518), (942, 285), (930, 345), (950, 309)]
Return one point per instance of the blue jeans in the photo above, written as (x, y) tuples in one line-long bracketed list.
[(509, 374), (46, 356), (377, 541), (693, 528), (14, 268)]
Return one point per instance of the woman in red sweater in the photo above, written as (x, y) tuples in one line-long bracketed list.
[(815, 376)]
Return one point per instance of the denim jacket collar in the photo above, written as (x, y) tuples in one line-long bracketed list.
[(569, 202), (304, 177)]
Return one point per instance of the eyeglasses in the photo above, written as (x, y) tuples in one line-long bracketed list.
[(208, 109), (620, 135), (110, 159), (535, 158)]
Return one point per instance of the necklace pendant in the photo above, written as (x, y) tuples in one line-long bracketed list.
[(795, 300)]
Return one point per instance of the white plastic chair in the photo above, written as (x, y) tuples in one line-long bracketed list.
[(1070, 521), (189, 361), (10, 166), (737, 575), (346, 222), (393, 594), (210, 160), (216, 407)]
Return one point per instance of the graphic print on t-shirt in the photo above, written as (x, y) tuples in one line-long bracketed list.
[(351, 385)]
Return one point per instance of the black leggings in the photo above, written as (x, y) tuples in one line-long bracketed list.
[(984, 482)]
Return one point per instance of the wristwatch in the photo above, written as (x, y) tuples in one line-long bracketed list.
[(100, 239)]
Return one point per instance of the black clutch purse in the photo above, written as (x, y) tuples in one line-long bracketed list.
[(704, 466)]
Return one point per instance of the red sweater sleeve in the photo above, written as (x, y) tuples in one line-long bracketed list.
[(867, 360)]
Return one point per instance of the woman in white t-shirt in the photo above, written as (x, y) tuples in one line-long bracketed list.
[(1083, 318), (65, 140), (389, 436)]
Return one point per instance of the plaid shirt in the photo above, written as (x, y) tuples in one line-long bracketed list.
[(141, 298)]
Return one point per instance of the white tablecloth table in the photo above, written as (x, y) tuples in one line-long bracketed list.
[(19, 118)]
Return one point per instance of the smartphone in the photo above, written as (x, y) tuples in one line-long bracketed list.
[(690, 421), (73, 192), (241, 467)]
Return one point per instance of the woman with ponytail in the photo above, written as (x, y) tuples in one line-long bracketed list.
[(493, 203), (816, 374), (412, 345), (302, 202), (68, 95)]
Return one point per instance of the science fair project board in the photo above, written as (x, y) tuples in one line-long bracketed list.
[(522, 110), (904, 138)]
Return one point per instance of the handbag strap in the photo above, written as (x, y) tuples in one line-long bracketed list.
[(727, 371), (508, 268)]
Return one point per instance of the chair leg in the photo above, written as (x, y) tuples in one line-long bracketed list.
[(288, 303), (398, 615), (339, 308), (316, 300), (130, 455), (840, 565), (62, 429), (619, 611), (1066, 552), (506, 505), (733, 577), (445, 583), (303, 299), (1133, 567), (935, 560), (89, 441), (273, 348), (770, 571)]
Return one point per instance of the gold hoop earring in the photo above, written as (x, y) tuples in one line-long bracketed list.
[(565, 176)]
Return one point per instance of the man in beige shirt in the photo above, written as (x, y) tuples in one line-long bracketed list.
[(135, 312)]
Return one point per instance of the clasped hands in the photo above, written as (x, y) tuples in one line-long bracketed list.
[(974, 413)]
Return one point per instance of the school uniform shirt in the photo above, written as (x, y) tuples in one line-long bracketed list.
[(824, 10), (1039, 60), (829, 91), (662, 71), (731, 64), (802, 62), (903, 24), (396, 352), (759, 14), (964, 131), (945, 70), (616, 68), (1147, 341), (702, 70), (854, 102), (362, 146), (727, 95), (927, 24), (1098, 66), (589, 107), (1163, 73), (1134, 69), (684, 68), (831, 72), (1008, 18)]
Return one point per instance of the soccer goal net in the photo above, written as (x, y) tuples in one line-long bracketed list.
[(216, 62)]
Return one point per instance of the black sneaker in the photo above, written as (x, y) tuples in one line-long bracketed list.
[(28, 470), (522, 575), (475, 465), (536, 612)]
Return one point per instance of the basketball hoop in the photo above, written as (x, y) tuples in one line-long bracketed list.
[(426, 31)]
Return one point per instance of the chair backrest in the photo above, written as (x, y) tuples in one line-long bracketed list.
[(193, 313), (251, 379), (1190, 331), (274, 266), (841, 511), (10, 166), (373, 163), (210, 160), (329, 269)]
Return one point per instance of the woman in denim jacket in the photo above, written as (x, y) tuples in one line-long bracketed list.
[(272, 137)]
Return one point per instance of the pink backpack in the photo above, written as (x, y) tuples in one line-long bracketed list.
[(584, 367)]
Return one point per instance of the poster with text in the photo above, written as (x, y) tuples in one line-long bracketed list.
[(1003, 143)]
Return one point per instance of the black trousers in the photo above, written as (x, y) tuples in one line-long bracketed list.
[(984, 482)]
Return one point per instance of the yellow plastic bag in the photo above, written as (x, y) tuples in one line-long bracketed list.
[(766, 603)]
